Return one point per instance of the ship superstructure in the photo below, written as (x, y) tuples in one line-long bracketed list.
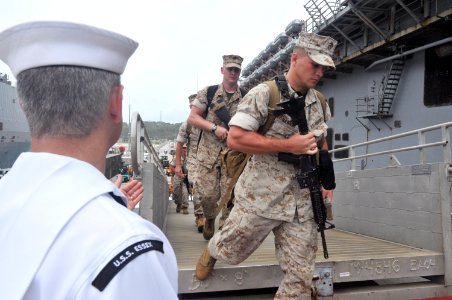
[(393, 63)]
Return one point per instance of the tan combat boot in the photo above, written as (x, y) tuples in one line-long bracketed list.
[(200, 222), (205, 265), (209, 228)]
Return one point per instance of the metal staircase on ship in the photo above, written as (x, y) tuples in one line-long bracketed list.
[(380, 107)]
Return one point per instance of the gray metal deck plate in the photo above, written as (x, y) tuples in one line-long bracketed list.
[(353, 257)]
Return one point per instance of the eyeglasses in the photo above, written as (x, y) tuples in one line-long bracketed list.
[(233, 69)]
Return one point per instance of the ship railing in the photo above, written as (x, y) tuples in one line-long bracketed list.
[(139, 141), (442, 139), (149, 170)]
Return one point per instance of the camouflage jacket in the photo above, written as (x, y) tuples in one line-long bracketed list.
[(189, 135), (268, 186), (210, 146)]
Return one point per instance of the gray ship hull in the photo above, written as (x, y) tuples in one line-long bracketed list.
[(10, 151), (14, 131)]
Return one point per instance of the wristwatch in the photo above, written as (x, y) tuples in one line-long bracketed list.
[(214, 127)]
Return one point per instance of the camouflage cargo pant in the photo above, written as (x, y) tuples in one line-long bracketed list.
[(196, 202), (191, 178), (210, 184), (178, 196), (295, 247)]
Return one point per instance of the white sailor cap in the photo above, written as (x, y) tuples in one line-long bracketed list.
[(50, 43)]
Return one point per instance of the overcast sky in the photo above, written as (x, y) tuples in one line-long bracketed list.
[(181, 41)]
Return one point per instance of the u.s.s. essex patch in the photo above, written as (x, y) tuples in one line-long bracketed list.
[(122, 259)]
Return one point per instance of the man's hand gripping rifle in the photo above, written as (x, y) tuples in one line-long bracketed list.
[(309, 174)]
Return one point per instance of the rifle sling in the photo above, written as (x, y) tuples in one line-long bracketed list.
[(219, 109)]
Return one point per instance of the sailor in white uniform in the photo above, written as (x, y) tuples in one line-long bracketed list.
[(65, 230)]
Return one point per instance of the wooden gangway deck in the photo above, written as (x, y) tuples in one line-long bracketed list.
[(352, 258)]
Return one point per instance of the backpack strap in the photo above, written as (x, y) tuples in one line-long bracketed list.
[(219, 108), (211, 90), (322, 100), (275, 98)]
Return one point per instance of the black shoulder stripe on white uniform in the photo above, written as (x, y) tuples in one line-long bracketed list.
[(122, 259), (118, 199)]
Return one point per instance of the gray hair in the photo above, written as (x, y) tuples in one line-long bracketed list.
[(64, 100)]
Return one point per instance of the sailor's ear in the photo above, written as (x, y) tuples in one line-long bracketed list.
[(115, 108)]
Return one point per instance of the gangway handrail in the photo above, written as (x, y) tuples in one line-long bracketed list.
[(139, 139), (445, 140)]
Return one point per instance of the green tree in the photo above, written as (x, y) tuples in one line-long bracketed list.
[(155, 130)]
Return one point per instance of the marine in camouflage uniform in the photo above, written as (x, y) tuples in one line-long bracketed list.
[(180, 198), (192, 147), (211, 179), (192, 166), (188, 135), (268, 197)]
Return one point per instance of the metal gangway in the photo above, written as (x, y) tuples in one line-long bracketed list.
[(362, 261)]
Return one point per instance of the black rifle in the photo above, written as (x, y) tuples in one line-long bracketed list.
[(187, 184), (306, 165)]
